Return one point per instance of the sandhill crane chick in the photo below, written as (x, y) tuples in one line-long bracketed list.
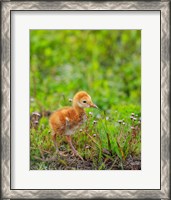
[(67, 121)]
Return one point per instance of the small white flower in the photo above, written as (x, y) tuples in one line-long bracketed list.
[(87, 147), (70, 100), (36, 113), (94, 122), (81, 130), (36, 122), (107, 118), (131, 117), (90, 113), (120, 121), (32, 99)]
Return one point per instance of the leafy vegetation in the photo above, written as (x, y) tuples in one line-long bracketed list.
[(106, 64)]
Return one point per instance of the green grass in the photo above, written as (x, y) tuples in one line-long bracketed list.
[(105, 135)]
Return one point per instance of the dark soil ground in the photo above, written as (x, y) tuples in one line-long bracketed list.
[(70, 162)]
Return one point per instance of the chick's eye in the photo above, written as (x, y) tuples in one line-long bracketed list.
[(84, 101)]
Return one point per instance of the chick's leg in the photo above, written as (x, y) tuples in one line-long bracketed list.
[(56, 146), (54, 141), (68, 137)]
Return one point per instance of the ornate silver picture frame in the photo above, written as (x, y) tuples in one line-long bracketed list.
[(6, 73)]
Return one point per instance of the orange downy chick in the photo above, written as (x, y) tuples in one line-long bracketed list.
[(67, 121)]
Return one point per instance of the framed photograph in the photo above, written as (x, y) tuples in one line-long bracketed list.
[(85, 89)]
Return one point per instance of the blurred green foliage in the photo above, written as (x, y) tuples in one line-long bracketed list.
[(105, 63)]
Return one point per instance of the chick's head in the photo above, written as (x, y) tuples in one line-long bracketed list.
[(83, 100)]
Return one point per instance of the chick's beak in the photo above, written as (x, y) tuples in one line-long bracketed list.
[(93, 105)]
